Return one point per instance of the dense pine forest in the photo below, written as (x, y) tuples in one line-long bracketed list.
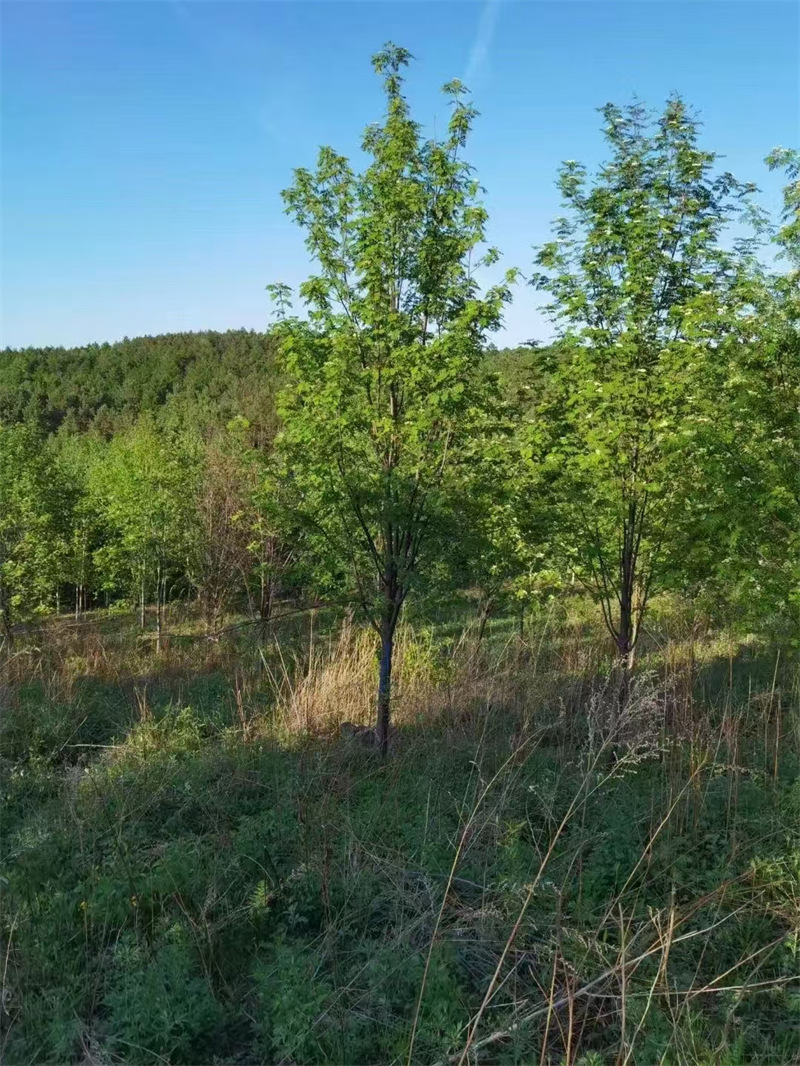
[(203, 379), (370, 693)]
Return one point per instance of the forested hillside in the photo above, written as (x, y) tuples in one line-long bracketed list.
[(134, 457), (207, 378), (204, 378), (373, 695)]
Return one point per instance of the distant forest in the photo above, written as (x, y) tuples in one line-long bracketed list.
[(206, 377)]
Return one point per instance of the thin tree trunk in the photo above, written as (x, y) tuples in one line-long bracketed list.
[(266, 599), (626, 638), (5, 616), (624, 673), (159, 613), (486, 610), (626, 631), (141, 602), (385, 680)]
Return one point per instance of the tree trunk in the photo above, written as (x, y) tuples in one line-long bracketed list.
[(485, 612), (624, 671), (159, 612), (265, 602), (209, 613), (5, 616), (385, 680), (626, 640), (141, 602), (627, 628)]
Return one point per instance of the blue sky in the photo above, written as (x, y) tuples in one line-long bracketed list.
[(144, 145)]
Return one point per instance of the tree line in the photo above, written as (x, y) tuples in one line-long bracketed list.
[(378, 443), (201, 379)]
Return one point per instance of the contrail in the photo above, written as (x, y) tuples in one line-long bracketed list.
[(479, 52)]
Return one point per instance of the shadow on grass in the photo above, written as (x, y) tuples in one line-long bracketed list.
[(183, 886), (192, 896)]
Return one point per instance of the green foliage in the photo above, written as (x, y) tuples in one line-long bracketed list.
[(144, 488), (385, 392), (749, 434), (383, 384), (35, 500), (196, 378), (159, 1004), (645, 293), (292, 996)]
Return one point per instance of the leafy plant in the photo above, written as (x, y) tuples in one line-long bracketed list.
[(385, 392)]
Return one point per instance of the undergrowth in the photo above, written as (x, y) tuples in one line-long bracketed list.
[(196, 869)]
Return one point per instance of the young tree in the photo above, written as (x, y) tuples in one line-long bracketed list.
[(751, 437), (219, 557), (78, 454), (276, 541), (145, 487), (488, 554), (385, 392), (33, 524), (636, 269), (779, 396)]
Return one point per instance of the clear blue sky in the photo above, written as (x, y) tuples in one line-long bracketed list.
[(144, 145)]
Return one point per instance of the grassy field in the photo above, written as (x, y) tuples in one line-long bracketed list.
[(196, 868)]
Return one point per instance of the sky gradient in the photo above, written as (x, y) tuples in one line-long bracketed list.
[(144, 145)]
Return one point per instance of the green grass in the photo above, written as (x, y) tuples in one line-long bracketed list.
[(183, 885)]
